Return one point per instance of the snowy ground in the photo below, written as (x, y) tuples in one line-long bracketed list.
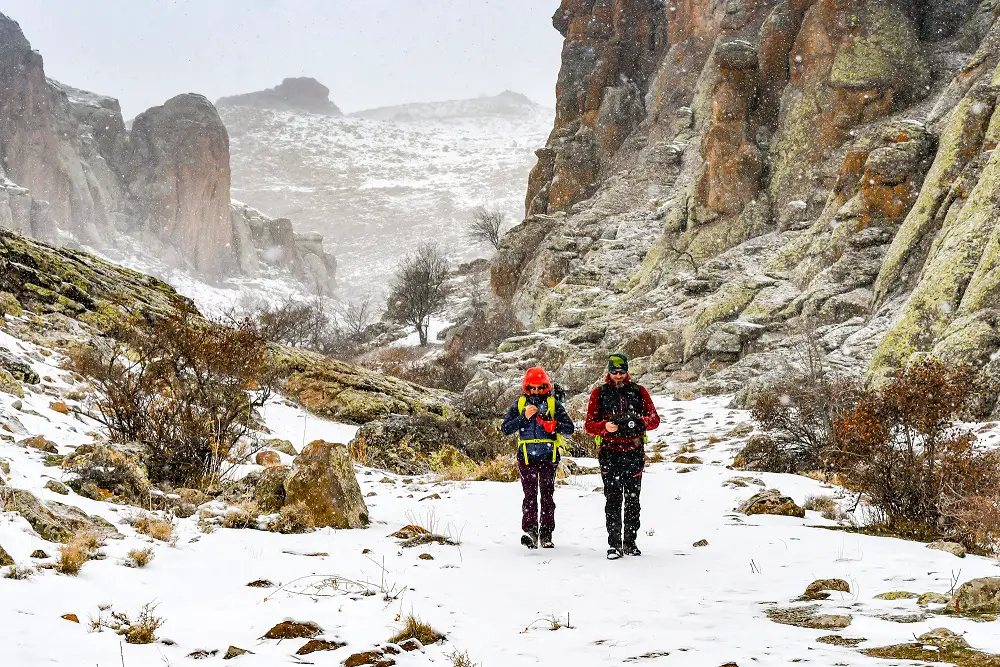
[(676, 605)]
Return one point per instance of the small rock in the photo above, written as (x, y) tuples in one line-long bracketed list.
[(814, 591), (412, 644), (5, 467), (60, 407), (700, 543), (688, 460), (425, 557), (5, 558), (837, 640), (932, 598), (261, 583), (366, 551), (267, 458), (897, 595), (235, 651), (685, 469), (433, 496), (944, 639), (41, 444), (283, 446), (772, 502), (376, 658), (38, 553), (409, 532), (740, 430), (314, 645), (72, 618), (954, 548), (293, 630), (202, 654), (57, 487)]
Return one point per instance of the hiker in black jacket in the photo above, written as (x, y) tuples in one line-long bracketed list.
[(618, 415), (540, 422)]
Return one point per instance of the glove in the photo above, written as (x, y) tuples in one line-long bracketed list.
[(549, 426)]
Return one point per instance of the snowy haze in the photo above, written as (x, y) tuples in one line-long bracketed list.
[(370, 53)]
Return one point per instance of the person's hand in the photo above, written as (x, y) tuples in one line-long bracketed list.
[(531, 411), (611, 427)]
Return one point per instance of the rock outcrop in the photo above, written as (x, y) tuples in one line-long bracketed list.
[(71, 173), (323, 481), (293, 94), (177, 171), (724, 175)]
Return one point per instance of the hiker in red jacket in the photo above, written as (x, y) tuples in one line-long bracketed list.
[(618, 415)]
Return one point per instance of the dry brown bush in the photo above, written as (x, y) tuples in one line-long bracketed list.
[(139, 557), (77, 551), (925, 475), (498, 469), (414, 628), (185, 389), (158, 529), (19, 572), (141, 631), (242, 515), (292, 519)]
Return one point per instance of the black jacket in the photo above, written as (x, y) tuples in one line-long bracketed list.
[(531, 429)]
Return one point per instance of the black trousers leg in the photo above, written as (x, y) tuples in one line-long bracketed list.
[(613, 494), (631, 487)]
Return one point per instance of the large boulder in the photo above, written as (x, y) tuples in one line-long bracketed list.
[(177, 171), (53, 521), (403, 444), (978, 596), (5, 558), (323, 481)]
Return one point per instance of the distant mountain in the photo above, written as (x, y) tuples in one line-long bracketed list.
[(507, 104), (295, 94), (377, 185)]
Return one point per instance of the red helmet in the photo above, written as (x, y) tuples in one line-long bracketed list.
[(535, 377)]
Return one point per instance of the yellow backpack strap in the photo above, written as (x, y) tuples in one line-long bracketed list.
[(552, 407), (521, 402)]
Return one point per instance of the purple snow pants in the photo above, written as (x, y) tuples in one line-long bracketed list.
[(538, 478)]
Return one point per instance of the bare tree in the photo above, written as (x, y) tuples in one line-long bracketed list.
[(486, 226), (357, 316), (419, 288)]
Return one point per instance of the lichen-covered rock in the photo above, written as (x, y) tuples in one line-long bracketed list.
[(323, 480), (817, 589), (771, 502), (977, 596), (5, 558), (52, 521), (264, 487), (954, 548), (267, 458), (403, 445)]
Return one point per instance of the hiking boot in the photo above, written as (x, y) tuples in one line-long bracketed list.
[(530, 539), (545, 538), (632, 550), (614, 553)]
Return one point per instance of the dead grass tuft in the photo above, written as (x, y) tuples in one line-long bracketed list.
[(242, 515), (414, 628), (139, 557), (77, 551), (19, 572), (158, 529), (141, 631), (292, 519)]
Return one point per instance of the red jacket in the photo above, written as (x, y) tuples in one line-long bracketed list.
[(623, 398)]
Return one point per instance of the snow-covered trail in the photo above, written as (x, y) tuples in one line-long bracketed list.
[(676, 605)]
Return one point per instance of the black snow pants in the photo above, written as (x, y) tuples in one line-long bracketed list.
[(622, 476)]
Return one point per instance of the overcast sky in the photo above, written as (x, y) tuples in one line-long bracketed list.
[(368, 52)]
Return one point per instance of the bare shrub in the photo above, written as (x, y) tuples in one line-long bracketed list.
[(461, 659), (139, 557), (185, 389), (19, 572), (292, 519), (77, 551), (763, 454), (242, 515), (446, 371), (819, 503), (102, 466), (419, 289), (486, 226), (140, 631), (414, 628), (158, 529), (901, 446)]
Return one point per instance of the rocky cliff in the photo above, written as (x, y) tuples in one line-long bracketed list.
[(294, 94), (724, 175), (71, 173)]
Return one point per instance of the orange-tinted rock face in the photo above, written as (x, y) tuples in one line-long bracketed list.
[(179, 176)]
